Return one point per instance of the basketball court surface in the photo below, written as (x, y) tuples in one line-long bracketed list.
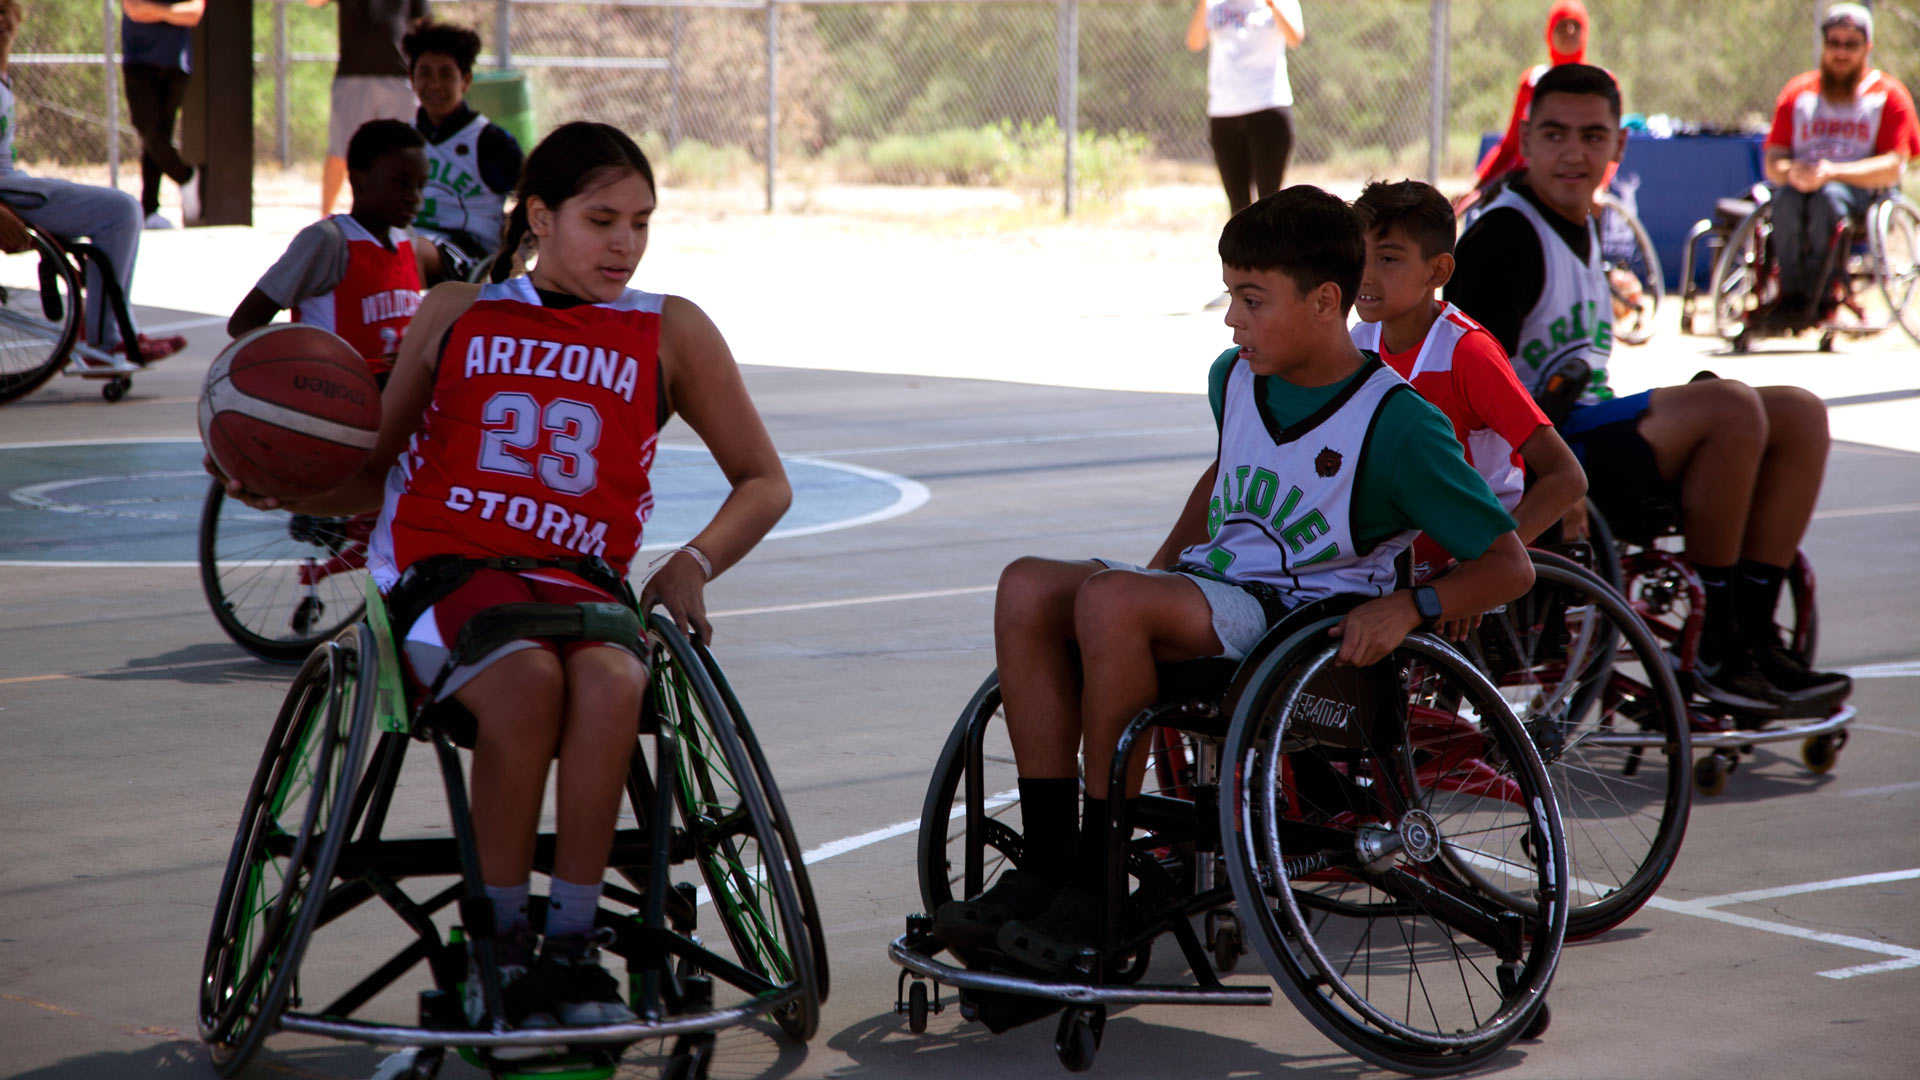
[(937, 424)]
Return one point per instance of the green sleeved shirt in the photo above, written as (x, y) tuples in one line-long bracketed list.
[(1415, 476)]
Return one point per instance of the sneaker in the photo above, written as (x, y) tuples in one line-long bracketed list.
[(585, 994), (190, 199), (1735, 683), (1053, 940), (526, 992), (976, 923), (151, 349), (155, 221), (1797, 680)]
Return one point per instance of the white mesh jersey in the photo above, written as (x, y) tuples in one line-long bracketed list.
[(1282, 510), (1574, 315), (456, 199), (1490, 455)]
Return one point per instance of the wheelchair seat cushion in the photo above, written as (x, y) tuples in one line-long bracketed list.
[(1731, 212)]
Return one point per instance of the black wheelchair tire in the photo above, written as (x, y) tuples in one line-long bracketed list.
[(236, 562), (241, 998), (55, 269)]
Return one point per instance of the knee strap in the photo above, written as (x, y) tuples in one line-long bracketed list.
[(594, 621)]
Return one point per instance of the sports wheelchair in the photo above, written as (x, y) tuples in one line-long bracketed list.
[(1664, 590), (42, 306), (1387, 834), (1873, 266), (313, 850), (280, 584)]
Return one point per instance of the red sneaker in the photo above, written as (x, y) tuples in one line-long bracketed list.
[(152, 349)]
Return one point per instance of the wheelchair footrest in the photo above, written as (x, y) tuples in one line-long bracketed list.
[(916, 955), (398, 1035), (1774, 731)]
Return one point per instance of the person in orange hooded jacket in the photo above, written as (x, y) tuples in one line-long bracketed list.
[(1566, 44)]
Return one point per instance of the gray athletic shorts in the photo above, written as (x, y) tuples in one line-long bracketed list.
[(360, 98), (1238, 619)]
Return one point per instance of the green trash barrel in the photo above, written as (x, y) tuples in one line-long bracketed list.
[(506, 99)]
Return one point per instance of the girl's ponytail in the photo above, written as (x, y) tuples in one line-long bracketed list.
[(510, 245)]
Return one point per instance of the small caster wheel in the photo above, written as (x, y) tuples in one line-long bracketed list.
[(917, 1008), (115, 389), (1710, 775), (1826, 341), (1540, 1022), (306, 613), (1227, 946), (1820, 752), (692, 1054), (1078, 1037)]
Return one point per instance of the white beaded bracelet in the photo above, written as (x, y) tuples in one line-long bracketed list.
[(706, 565)]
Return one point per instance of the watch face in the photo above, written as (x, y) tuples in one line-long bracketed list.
[(1427, 602)]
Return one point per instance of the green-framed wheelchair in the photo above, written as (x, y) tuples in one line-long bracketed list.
[(329, 839)]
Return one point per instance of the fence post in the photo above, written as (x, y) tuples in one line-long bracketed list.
[(1439, 78), (673, 78), (110, 22), (1067, 37), (282, 142), (773, 94), (503, 33)]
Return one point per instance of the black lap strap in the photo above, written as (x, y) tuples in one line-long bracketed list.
[(496, 626), (432, 579)]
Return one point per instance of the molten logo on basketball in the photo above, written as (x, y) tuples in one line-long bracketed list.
[(329, 389)]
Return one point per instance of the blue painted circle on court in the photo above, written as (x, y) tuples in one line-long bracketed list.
[(139, 502)]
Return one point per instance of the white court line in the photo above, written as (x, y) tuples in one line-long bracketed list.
[(1898, 669), (851, 601), (1867, 511), (1708, 908), (185, 324), (1884, 789)]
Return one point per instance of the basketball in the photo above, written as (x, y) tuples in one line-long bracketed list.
[(289, 411)]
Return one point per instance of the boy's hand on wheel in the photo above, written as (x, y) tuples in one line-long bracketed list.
[(1376, 628), (680, 587)]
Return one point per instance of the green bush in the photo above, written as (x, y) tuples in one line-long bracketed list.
[(1105, 166), (697, 164), (953, 156)]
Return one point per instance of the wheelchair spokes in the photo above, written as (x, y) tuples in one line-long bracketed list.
[(280, 583)]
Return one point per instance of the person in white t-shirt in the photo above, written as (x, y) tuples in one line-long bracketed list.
[(1249, 100)]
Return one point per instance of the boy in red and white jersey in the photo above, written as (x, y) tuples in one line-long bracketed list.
[(1840, 133), (1457, 365), (355, 273)]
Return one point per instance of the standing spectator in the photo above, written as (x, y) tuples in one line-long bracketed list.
[(1249, 100), (1839, 135), (472, 162), (1566, 44), (155, 42), (370, 81)]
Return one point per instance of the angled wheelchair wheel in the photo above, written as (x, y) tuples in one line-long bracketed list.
[(1634, 276), (1593, 688), (296, 817), (40, 312), (1395, 851), (782, 821), (970, 827), (281, 583), (1744, 277), (743, 856), (1895, 244)]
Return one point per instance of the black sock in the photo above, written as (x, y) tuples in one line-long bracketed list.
[(1720, 634), (1047, 810), (1756, 587)]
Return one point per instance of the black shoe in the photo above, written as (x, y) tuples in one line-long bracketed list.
[(1801, 686), (1053, 940), (976, 923), (1735, 683), (585, 994)]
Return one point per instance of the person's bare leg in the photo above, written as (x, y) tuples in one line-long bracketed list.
[(1791, 471), (1125, 621), (1034, 646), (596, 750), (1708, 437), (333, 176), (516, 704)]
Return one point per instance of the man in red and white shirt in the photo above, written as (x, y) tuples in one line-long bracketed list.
[(1839, 134)]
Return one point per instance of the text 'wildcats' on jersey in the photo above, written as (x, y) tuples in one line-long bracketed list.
[(542, 429), (1282, 508)]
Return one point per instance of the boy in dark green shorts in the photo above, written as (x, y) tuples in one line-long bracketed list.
[(1328, 465)]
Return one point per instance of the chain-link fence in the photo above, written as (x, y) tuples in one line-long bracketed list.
[(977, 91)]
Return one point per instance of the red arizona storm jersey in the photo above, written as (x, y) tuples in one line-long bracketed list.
[(1878, 120), (375, 299), (542, 427)]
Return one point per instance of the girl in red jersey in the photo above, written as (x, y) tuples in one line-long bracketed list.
[(521, 420)]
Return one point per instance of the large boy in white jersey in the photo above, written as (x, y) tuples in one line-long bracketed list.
[(1741, 466), (472, 163), (1455, 364), (1328, 464)]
